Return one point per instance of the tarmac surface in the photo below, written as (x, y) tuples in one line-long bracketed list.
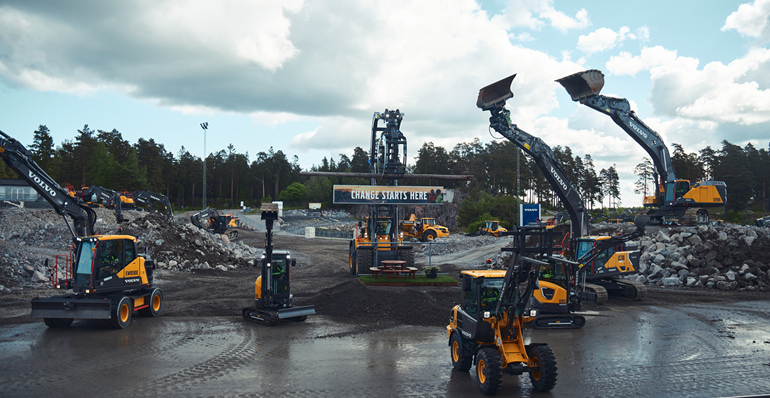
[(685, 350)]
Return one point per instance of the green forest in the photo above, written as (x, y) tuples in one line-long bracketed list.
[(104, 158)]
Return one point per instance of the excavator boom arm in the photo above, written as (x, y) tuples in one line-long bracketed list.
[(492, 98), (20, 160)]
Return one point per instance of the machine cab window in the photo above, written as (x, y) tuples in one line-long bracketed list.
[(109, 258)]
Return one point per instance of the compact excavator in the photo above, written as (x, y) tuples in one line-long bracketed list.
[(147, 200), (107, 277), (600, 277), (272, 289), (211, 221), (676, 201)]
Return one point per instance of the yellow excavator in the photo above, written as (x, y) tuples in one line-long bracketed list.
[(107, 277)]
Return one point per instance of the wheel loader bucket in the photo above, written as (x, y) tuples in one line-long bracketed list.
[(495, 94), (583, 84)]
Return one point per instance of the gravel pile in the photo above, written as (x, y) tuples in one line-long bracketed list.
[(294, 221), (30, 240)]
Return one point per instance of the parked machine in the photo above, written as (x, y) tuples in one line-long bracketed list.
[(485, 329), (676, 201), (148, 199), (109, 279), (110, 199), (210, 220), (424, 228), (602, 276), (272, 289), (380, 239)]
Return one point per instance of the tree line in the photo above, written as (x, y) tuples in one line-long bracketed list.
[(105, 158)]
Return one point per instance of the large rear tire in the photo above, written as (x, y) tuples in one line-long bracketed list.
[(408, 256), (364, 261), (155, 304), (461, 360), (428, 236), (489, 371), (543, 364), (56, 323), (122, 315), (352, 259)]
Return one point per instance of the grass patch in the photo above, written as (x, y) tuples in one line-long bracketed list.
[(419, 279)]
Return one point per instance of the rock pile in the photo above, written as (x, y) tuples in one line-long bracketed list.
[(726, 258)]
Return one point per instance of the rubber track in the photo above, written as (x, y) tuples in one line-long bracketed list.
[(641, 289), (600, 291)]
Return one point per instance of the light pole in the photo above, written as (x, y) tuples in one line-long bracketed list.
[(204, 126)]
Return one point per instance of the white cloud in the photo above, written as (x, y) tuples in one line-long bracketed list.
[(751, 20), (650, 57), (534, 14), (603, 39)]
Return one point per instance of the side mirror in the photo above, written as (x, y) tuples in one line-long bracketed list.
[(467, 283), (293, 262)]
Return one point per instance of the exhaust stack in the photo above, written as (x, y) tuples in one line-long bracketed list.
[(495, 94), (583, 84)]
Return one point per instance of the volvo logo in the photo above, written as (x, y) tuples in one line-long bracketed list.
[(556, 176), (42, 183), (637, 129)]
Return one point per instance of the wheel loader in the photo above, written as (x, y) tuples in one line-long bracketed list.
[(272, 289), (485, 330)]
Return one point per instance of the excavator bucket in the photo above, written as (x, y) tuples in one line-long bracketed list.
[(495, 94), (583, 84)]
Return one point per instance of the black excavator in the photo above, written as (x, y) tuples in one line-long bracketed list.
[(272, 289), (110, 199), (601, 278), (211, 221), (107, 277), (146, 200), (676, 201)]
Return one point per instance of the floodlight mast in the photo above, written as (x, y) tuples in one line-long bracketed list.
[(204, 126)]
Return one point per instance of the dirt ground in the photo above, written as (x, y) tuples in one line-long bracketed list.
[(321, 278)]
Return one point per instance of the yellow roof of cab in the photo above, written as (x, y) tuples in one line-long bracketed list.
[(476, 273)]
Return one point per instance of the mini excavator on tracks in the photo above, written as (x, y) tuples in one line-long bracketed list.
[(272, 289), (676, 201), (108, 278)]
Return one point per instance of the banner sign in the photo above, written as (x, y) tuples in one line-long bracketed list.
[(380, 194)]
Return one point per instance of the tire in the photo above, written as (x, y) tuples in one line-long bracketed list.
[(364, 261), (156, 304), (122, 315), (55, 323), (428, 236), (542, 358), (489, 371), (352, 258), (461, 360), (408, 256)]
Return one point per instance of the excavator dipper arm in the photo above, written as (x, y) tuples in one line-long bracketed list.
[(492, 98), (20, 160)]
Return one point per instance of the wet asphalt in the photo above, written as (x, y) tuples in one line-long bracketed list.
[(691, 350)]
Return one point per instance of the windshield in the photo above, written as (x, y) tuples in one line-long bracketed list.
[(584, 246), (490, 293), (554, 272), (383, 227), (430, 221), (85, 261)]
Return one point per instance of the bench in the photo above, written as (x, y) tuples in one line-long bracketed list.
[(398, 272)]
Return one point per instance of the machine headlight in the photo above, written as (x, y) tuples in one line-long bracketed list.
[(486, 314), (532, 312)]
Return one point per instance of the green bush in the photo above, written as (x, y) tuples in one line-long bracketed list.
[(480, 206)]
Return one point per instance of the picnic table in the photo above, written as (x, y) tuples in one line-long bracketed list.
[(396, 268)]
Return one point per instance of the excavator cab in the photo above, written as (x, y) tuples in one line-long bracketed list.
[(108, 263)]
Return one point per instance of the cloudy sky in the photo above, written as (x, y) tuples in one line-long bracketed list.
[(305, 77)]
